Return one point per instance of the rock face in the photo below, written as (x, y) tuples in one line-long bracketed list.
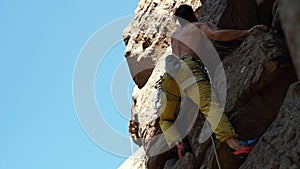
[(258, 73), (279, 146), (289, 13), (148, 36)]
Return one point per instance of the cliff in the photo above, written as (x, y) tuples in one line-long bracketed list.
[(261, 71)]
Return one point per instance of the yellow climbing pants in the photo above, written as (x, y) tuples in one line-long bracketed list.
[(200, 92)]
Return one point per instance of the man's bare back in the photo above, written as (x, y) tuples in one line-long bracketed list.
[(186, 40)]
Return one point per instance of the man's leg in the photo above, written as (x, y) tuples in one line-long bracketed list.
[(202, 94), (170, 99)]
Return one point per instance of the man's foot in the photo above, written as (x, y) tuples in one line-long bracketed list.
[(234, 143), (248, 145), (182, 149)]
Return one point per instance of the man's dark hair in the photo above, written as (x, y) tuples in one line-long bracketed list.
[(185, 12)]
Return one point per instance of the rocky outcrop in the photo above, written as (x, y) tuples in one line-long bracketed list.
[(258, 73), (143, 109), (279, 146), (290, 20), (148, 36)]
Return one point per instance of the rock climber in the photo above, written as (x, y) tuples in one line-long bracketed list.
[(172, 84)]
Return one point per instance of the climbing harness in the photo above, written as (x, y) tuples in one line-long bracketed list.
[(190, 81), (158, 87), (199, 71)]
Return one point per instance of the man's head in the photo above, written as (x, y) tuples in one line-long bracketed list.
[(185, 13)]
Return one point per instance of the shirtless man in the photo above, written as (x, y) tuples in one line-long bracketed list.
[(189, 51)]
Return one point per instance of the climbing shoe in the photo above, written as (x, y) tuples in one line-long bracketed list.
[(248, 145), (183, 149)]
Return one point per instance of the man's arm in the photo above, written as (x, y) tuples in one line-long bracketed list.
[(227, 34)]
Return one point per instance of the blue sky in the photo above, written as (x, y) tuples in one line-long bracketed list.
[(40, 43)]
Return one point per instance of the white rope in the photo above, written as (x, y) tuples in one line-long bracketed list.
[(215, 151), (131, 145)]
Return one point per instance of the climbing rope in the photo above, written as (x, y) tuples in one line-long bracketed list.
[(131, 145), (215, 151)]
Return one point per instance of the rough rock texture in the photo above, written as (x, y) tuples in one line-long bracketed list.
[(264, 13), (290, 12), (258, 72), (143, 108), (276, 23), (279, 146), (148, 36)]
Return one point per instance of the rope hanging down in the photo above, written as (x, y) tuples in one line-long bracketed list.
[(215, 152)]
